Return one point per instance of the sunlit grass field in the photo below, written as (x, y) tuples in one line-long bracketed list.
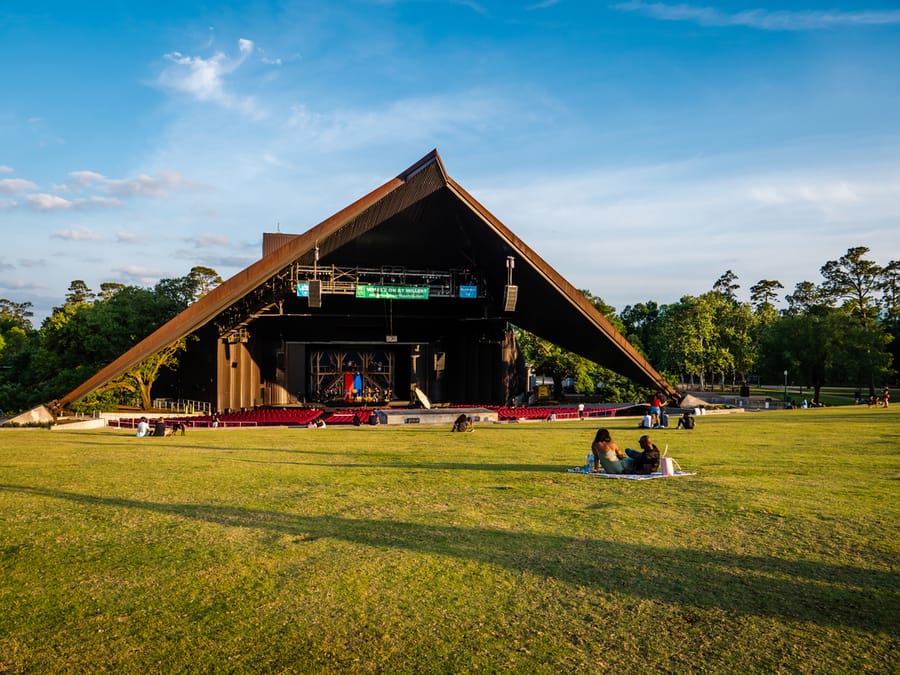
[(419, 550)]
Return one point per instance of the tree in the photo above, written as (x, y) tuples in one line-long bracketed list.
[(642, 328), (139, 380), (205, 279), (764, 291), (548, 359), (853, 280), (727, 285), (805, 297), (108, 289), (15, 314), (79, 293)]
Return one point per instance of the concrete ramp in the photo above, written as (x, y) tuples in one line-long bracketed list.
[(38, 415)]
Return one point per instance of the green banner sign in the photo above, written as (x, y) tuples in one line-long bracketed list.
[(392, 292)]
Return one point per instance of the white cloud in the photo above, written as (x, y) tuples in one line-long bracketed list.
[(204, 240), (152, 187), (45, 202), (81, 180), (5, 169), (79, 234), (204, 78), (16, 185), (762, 19)]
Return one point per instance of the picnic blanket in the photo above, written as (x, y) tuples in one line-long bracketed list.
[(629, 476)]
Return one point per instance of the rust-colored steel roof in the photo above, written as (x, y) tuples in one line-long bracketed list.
[(548, 305)]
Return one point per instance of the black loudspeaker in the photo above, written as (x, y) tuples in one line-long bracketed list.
[(315, 292), (510, 295)]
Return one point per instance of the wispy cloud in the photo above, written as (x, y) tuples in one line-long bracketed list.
[(543, 5), (142, 276), (16, 185), (18, 285), (78, 234), (204, 240), (411, 119), (129, 237), (151, 187), (47, 202), (31, 262), (5, 169), (204, 78), (762, 19)]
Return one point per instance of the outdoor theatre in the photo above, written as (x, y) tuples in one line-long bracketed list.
[(409, 293)]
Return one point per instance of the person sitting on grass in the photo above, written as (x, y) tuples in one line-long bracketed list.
[(686, 421), (645, 460), (463, 423), (608, 454)]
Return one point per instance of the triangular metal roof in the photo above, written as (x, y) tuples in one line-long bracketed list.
[(548, 305)]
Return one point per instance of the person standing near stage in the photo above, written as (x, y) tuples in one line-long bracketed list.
[(655, 408)]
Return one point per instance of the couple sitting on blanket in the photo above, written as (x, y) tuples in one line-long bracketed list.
[(613, 460)]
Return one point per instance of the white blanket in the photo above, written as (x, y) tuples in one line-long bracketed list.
[(628, 476)]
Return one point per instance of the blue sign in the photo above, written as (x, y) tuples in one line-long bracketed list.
[(468, 291), (303, 290)]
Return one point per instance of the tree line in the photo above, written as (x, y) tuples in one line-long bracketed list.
[(88, 331), (839, 331)]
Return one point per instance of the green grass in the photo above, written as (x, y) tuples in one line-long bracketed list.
[(418, 550)]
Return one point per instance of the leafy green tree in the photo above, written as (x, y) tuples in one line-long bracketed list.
[(79, 293), (727, 285), (854, 281), (108, 289), (642, 326), (15, 314), (139, 380), (805, 297), (205, 279), (89, 331), (764, 292), (548, 359)]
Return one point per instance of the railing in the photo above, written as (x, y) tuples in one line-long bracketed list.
[(183, 405)]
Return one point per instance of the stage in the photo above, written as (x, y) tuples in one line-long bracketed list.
[(439, 416)]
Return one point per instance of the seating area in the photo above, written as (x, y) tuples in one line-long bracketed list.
[(346, 416), (505, 414), (264, 417), (270, 417)]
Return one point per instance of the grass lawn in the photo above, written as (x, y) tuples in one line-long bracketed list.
[(417, 550)]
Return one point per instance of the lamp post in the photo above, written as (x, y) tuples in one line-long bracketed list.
[(785, 387)]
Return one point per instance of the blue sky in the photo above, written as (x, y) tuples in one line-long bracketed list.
[(641, 148)]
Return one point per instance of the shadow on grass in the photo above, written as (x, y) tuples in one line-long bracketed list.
[(815, 592), (410, 466)]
